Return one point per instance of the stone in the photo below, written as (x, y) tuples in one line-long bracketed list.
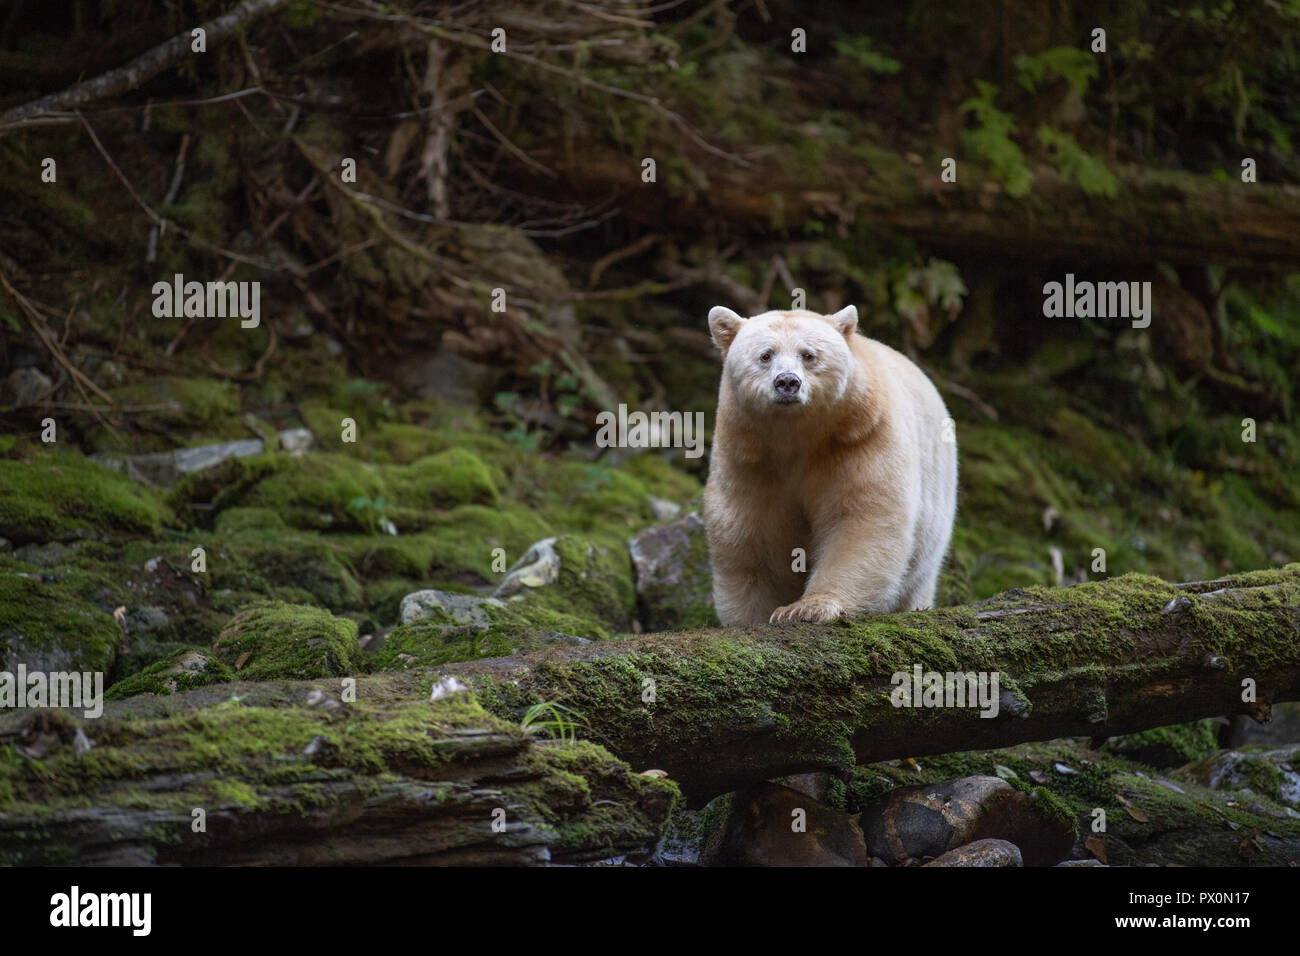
[(539, 567), (665, 510), (1266, 773), (296, 441), (986, 852), (168, 467), (462, 608), (771, 825), (26, 385), (674, 583), (143, 620), (928, 821)]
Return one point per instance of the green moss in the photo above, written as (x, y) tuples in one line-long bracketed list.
[(46, 627), (264, 521), (286, 641), (65, 496), (183, 669), (1170, 746), (445, 480), (310, 492), (268, 563)]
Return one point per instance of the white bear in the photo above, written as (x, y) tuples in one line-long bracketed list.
[(833, 443)]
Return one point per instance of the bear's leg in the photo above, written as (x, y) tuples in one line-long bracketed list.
[(918, 593), (860, 566), (745, 596)]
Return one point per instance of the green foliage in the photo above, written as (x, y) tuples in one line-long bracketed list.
[(1077, 67), (556, 720), (1087, 170), (991, 140), (859, 51)]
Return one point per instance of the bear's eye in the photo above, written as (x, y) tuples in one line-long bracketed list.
[(808, 356), (766, 356)]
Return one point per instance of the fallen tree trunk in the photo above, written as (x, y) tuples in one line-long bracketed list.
[(287, 773), (1157, 215), (722, 709)]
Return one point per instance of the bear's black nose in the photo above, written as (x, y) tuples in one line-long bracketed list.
[(786, 385)]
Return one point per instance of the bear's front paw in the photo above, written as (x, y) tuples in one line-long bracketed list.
[(808, 608)]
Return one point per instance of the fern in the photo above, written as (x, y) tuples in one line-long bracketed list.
[(1075, 66), (992, 140), (1074, 162)]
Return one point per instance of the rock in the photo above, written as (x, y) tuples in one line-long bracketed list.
[(182, 670), (168, 467), (674, 583), (539, 567), (5, 545), (272, 640), (665, 510), (986, 852), (1081, 863), (296, 441), (462, 608), (26, 385), (1265, 773), (45, 555), (928, 821), (143, 620), (771, 825)]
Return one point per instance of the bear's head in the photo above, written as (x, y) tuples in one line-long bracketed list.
[(791, 360)]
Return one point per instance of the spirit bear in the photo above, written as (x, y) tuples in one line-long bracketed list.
[(832, 443)]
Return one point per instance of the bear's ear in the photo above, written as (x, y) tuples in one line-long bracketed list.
[(846, 320), (723, 326)]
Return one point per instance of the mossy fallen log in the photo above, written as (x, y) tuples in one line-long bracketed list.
[(261, 774), (722, 709), (285, 772)]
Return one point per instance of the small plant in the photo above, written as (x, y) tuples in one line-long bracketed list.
[(1077, 67), (1086, 169), (858, 50), (992, 140), (369, 512), (559, 722)]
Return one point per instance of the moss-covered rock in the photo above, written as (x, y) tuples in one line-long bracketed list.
[(66, 496), (445, 480), (576, 576), (183, 669), (1168, 746), (674, 581), (272, 640), (47, 628)]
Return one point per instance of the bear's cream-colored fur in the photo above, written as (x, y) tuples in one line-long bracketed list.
[(833, 443)]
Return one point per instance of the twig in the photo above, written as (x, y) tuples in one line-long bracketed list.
[(143, 68)]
